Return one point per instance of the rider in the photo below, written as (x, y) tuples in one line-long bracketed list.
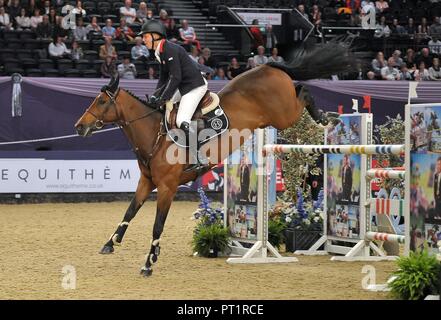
[(180, 79)]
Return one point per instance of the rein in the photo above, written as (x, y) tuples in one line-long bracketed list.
[(99, 124)]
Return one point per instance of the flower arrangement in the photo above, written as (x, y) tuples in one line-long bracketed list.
[(210, 236), (300, 215)]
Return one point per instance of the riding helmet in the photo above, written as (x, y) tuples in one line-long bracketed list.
[(153, 26)]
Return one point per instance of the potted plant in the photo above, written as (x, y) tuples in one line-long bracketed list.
[(417, 276), (210, 237)]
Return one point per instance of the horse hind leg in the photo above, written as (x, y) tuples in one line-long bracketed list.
[(145, 186), (165, 198), (318, 115)]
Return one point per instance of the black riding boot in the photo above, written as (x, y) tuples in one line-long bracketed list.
[(198, 162)]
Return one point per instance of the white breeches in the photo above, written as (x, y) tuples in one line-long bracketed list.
[(189, 103)]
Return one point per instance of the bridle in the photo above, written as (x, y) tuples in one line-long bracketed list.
[(99, 122)]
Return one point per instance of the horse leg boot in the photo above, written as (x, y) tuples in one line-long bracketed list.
[(318, 115), (145, 186), (165, 198)]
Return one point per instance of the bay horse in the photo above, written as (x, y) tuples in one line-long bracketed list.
[(261, 97)]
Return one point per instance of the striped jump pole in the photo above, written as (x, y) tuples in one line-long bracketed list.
[(335, 149), (384, 237), (385, 174)]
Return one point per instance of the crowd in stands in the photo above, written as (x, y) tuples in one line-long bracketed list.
[(110, 28)]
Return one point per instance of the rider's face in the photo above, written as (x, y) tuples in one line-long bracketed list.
[(148, 40)]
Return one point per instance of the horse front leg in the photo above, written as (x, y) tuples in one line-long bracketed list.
[(165, 198), (145, 186)]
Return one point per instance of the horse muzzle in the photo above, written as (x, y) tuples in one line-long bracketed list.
[(83, 130)]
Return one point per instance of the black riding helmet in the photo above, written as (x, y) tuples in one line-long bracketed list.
[(153, 26)]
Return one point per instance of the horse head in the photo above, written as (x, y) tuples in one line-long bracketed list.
[(102, 111)]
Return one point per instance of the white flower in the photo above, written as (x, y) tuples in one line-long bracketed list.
[(288, 219), (439, 244), (316, 219), (306, 221)]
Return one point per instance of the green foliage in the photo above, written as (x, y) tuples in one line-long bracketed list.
[(276, 234), (417, 276), (209, 238), (297, 166)]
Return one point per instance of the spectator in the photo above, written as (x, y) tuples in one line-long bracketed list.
[(152, 74), (234, 69), (78, 11), (93, 27), (57, 49), (59, 30), (5, 22), (108, 68), (107, 50), (76, 52), (409, 59), (80, 32), (220, 74), (208, 59), (316, 15), (46, 7), (435, 71), (170, 26), (257, 35), (36, 19), (108, 30), (194, 54), (126, 69), (124, 32), (260, 58), (53, 16), (381, 6), (378, 63), (396, 28), (404, 73), (382, 29), (389, 72), (270, 37), (423, 29), (275, 56), (142, 13), (23, 21), (188, 35), (396, 56), (410, 28), (14, 9), (250, 64), (128, 12), (421, 74), (44, 29), (435, 28), (140, 51), (434, 45), (425, 57), (301, 8), (370, 75)]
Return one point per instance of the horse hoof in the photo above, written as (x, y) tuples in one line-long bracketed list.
[(146, 272), (107, 250)]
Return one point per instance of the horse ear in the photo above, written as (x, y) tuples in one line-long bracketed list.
[(114, 84)]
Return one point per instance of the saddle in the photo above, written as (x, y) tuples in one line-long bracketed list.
[(208, 115), (209, 102)]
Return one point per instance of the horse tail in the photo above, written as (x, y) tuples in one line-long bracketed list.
[(320, 62)]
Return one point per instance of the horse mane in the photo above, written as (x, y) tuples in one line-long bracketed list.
[(144, 102)]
